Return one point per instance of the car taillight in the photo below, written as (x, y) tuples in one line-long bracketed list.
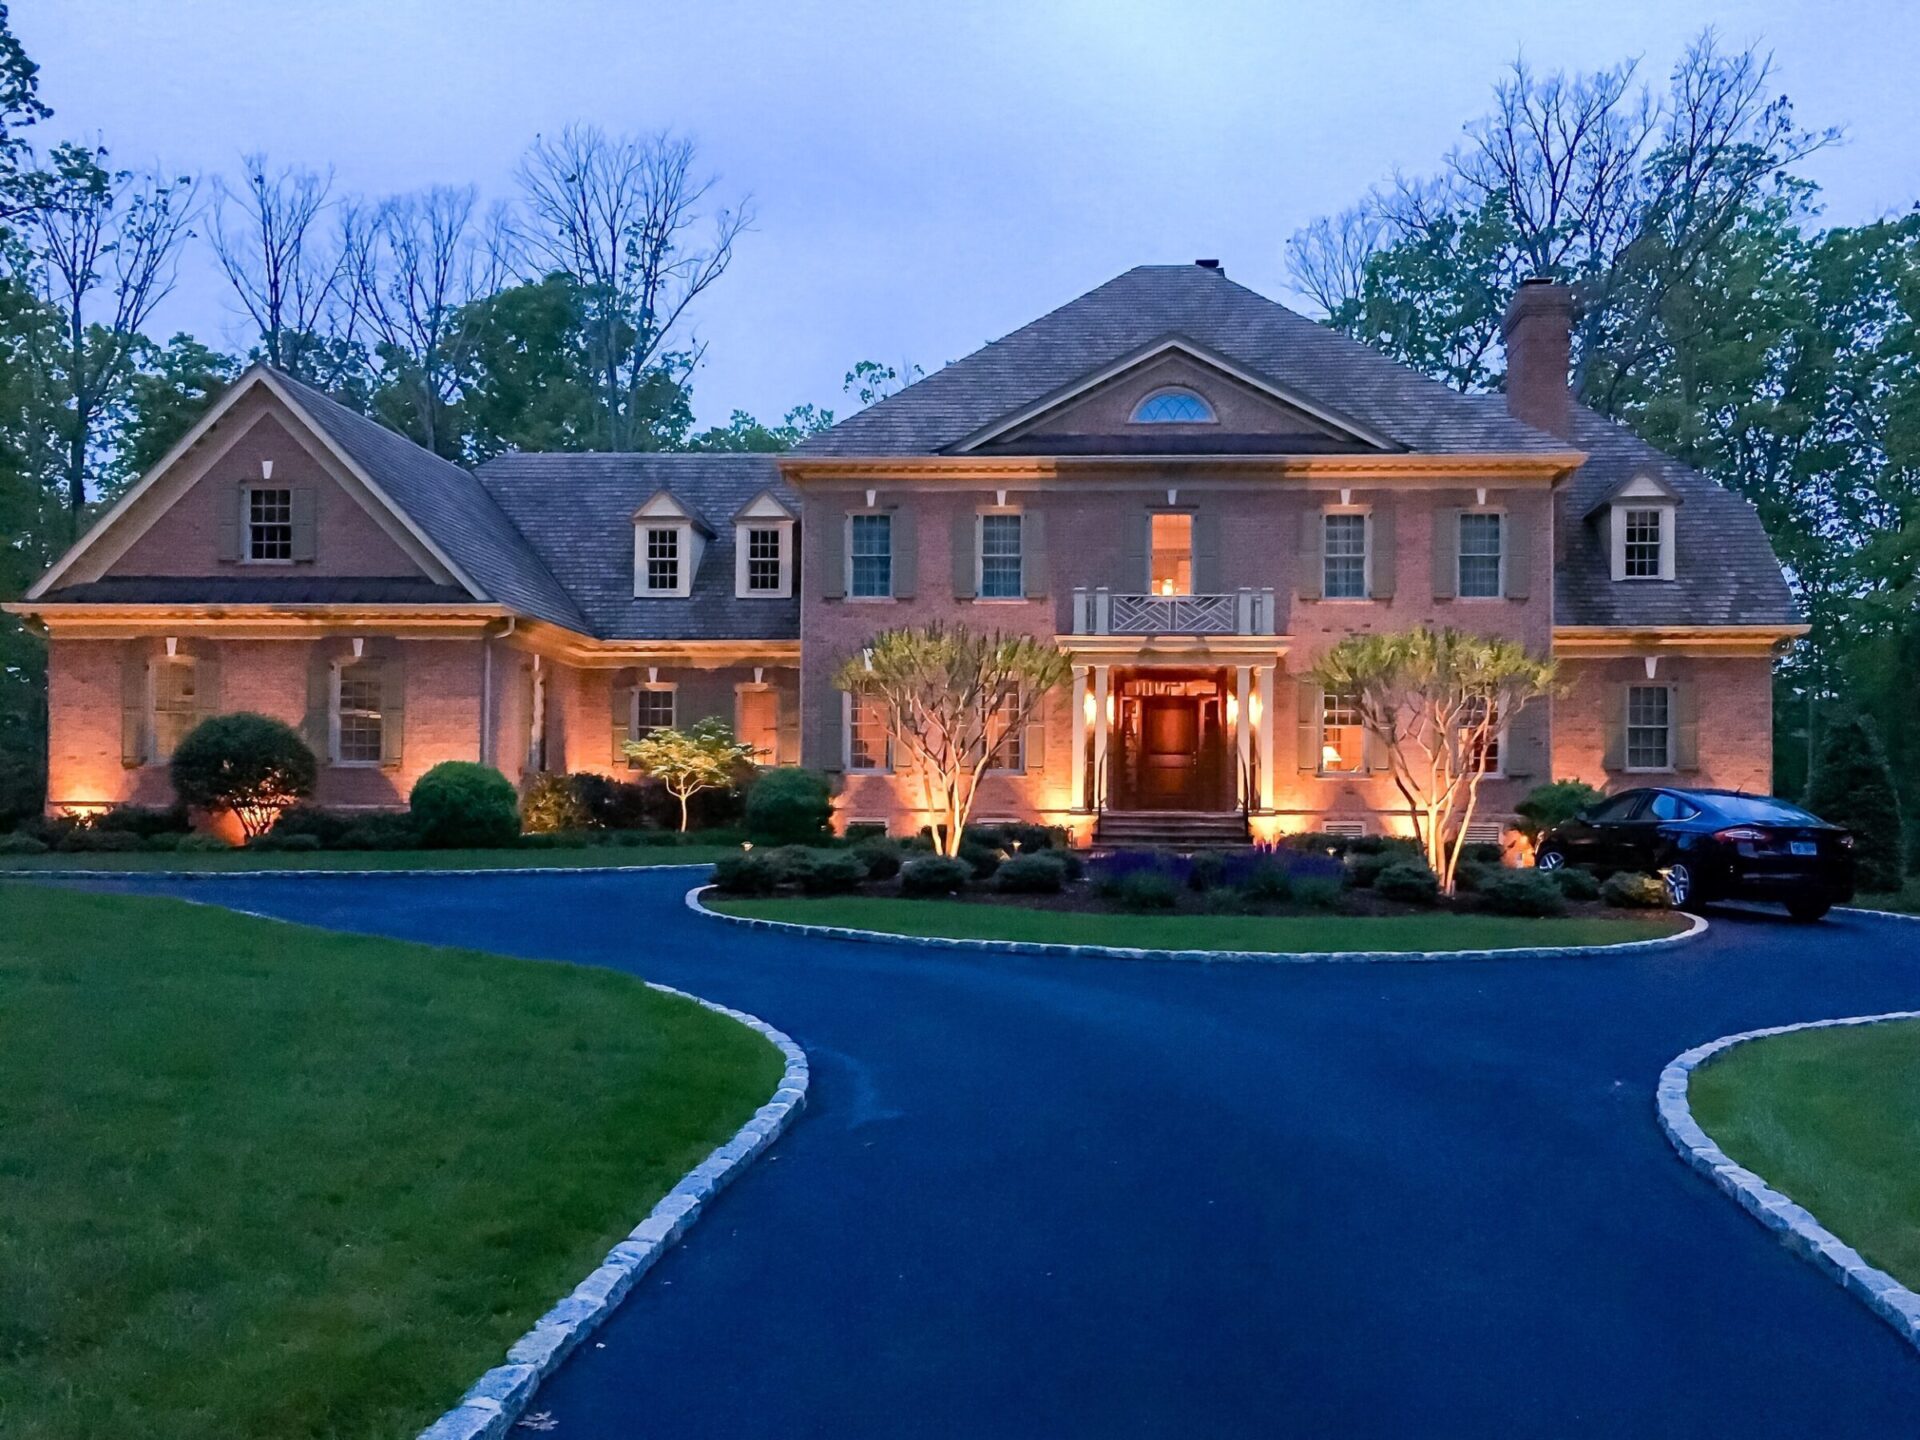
[(1846, 842), (1741, 833)]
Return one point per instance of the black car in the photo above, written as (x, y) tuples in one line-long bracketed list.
[(1711, 845)]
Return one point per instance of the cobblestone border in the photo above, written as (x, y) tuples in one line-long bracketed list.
[(1695, 929), (498, 1398), (1796, 1226), (7, 873), (1880, 914)]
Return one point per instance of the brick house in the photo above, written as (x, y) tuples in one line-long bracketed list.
[(1191, 489)]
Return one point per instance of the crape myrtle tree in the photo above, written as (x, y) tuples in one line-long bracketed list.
[(704, 756), (1437, 701), (951, 697)]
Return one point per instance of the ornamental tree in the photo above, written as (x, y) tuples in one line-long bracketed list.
[(704, 756), (1436, 700), (246, 763), (951, 697)]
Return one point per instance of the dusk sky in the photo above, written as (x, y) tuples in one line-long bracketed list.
[(926, 177)]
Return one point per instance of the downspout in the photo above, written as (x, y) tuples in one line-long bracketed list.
[(486, 686)]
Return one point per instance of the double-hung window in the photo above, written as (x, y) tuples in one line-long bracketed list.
[(174, 703), (870, 557), (1343, 737), (652, 710), (1010, 752), (1480, 544), (1000, 575), (763, 560), (1344, 555), (269, 526), (869, 747), (1480, 748), (1641, 544), (662, 558), (1649, 727), (361, 727)]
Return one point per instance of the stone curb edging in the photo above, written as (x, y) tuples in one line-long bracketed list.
[(1796, 1226), (497, 1399), (1880, 914), (7, 873), (1696, 928)]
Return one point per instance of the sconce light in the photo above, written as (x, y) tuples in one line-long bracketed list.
[(1110, 710), (1233, 709), (1253, 708), (1089, 707)]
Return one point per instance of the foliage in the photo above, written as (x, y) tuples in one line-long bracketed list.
[(934, 875), (458, 805), (249, 764), (1522, 892), (553, 803), (1206, 870), (748, 873), (951, 696), (881, 856), (1268, 880), (1630, 890), (983, 860), (1853, 786), (1434, 699), (202, 843), (1147, 890), (1040, 873), (383, 830), (828, 872), (1363, 870), (1316, 891), (1555, 803), (704, 756), (92, 839), (788, 804), (1576, 882), (144, 820), (1407, 882)]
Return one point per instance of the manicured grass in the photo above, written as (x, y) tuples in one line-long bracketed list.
[(959, 919), (1830, 1118), (590, 857), (1906, 900), (262, 1180)]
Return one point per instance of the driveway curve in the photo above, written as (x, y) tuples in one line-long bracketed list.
[(1045, 1197)]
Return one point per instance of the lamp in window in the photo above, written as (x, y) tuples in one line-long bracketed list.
[(1330, 758), (1166, 587)]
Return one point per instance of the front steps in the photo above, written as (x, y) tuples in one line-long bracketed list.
[(1170, 830)]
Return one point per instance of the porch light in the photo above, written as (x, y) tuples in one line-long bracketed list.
[(1233, 709), (1110, 709), (1088, 707)]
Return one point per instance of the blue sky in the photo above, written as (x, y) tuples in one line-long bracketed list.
[(926, 176)]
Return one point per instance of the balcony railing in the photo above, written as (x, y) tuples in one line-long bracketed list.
[(1103, 612)]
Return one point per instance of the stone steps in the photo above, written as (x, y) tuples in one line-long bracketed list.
[(1171, 830)]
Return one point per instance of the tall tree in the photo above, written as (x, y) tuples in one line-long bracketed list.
[(173, 387), (287, 269)]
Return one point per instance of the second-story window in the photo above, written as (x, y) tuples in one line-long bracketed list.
[(1344, 556), (1480, 537), (269, 525), (871, 557), (663, 558), (1000, 577), (1172, 564), (1642, 544), (763, 560)]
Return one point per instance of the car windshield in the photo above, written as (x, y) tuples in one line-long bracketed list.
[(1762, 810)]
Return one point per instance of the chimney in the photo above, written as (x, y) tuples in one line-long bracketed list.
[(1539, 336), (1213, 265)]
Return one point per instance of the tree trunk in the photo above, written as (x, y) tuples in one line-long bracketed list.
[(683, 811)]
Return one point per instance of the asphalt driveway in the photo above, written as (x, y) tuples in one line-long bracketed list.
[(1089, 1198)]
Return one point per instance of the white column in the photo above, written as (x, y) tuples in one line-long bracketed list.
[(1242, 728), (1102, 697), (1263, 677), (1081, 799)]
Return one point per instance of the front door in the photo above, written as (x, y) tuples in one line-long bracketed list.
[(1170, 752)]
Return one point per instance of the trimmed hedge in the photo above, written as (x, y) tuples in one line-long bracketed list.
[(745, 874), (881, 856), (1040, 873), (933, 875), (1408, 883), (1522, 892), (458, 805), (1576, 883), (789, 805)]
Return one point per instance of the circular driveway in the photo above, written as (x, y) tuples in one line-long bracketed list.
[(1051, 1198)]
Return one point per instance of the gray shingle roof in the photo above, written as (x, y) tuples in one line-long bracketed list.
[(1156, 302), (577, 511)]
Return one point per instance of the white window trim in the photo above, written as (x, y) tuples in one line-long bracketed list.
[(153, 755), (1320, 746), (1626, 730), (1019, 769), (1617, 524), (246, 523), (340, 666), (1460, 555), (846, 743), (689, 547), (1175, 388), (740, 557), (980, 556), (651, 687), (846, 550), (1366, 511)]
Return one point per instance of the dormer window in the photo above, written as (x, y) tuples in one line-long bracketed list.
[(663, 558), (1639, 516), (668, 540), (1175, 405), (1643, 548), (763, 549)]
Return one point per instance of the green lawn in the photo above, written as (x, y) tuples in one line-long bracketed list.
[(1906, 900), (261, 1180), (1831, 1118), (590, 857), (1198, 932)]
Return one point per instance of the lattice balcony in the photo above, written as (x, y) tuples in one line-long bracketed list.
[(1105, 612)]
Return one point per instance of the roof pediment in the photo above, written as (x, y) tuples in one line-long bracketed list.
[(1641, 485), (665, 505), (765, 506)]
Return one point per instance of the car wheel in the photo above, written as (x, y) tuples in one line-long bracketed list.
[(1549, 860), (1679, 884), (1807, 909)]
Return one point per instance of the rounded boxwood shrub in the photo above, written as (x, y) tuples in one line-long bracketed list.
[(1555, 803), (460, 805), (881, 856), (745, 874), (1041, 873), (22, 845), (983, 860), (1522, 892), (1407, 883), (1363, 868), (1576, 883), (1631, 890), (830, 872), (1148, 890), (788, 805), (934, 875), (249, 764)]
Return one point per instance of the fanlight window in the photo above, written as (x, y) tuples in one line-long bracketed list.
[(1173, 407)]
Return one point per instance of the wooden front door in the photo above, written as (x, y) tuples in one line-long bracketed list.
[(1170, 752)]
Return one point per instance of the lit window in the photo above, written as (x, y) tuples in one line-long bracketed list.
[(663, 559), (361, 725), (869, 747), (652, 710), (1345, 557), (1000, 557), (174, 709), (1173, 407), (1011, 752), (269, 525), (1482, 749), (763, 560), (1642, 544), (1649, 713), (1343, 738), (872, 555), (1172, 554), (1480, 556)]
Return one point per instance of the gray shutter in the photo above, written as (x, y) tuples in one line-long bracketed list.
[(1446, 552), (1033, 753), (304, 523), (1374, 750), (1206, 551), (206, 684), (786, 721), (833, 553), (393, 707), (906, 554), (1134, 578), (966, 542), (229, 541), (1517, 541), (620, 714), (1033, 553), (1383, 552), (1312, 568), (318, 721), (1526, 742), (823, 744), (1615, 757), (136, 728), (1686, 726), (1307, 725)]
